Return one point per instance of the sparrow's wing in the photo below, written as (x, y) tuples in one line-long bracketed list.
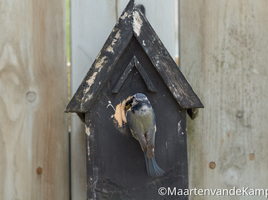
[(136, 129), (151, 131), (151, 136)]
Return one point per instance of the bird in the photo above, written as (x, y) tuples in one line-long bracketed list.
[(141, 122)]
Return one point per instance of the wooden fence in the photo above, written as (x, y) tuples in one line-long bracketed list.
[(33, 94), (223, 54)]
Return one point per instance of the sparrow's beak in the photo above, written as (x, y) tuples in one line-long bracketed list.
[(129, 104)]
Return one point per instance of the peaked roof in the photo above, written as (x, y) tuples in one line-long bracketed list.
[(132, 23), (134, 63)]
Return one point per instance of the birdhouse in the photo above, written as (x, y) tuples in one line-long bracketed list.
[(134, 60)]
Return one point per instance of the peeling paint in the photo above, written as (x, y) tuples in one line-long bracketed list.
[(157, 63), (90, 96), (88, 134), (90, 81), (110, 48), (87, 130), (143, 43), (124, 16), (87, 97), (88, 152), (98, 56), (137, 23), (179, 126), (118, 35), (99, 64)]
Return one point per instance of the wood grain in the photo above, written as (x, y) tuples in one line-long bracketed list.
[(33, 88), (112, 172), (223, 54), (91, 23), (132, 25)]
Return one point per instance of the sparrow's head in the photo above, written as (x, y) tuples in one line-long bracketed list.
[(138, 98), (129, 103)]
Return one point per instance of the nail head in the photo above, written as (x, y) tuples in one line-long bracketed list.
[(212, 165), (39, 170), (251, 156)]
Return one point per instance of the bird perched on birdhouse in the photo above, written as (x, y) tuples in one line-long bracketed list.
[(133, 60), (141, 121)]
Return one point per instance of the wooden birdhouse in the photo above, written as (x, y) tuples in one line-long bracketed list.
[(133, 60)]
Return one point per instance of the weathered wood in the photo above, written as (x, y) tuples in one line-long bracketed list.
[(124, 76), (144, 75), (86, 44), (104, 64), (164, 24), (116, 166), (164, 64), (133, 41), (132, 23), (134, 62), (223, 47), (33, 86)]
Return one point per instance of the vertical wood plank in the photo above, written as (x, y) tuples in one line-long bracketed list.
[(223, 54), (91, 23), (33, 87)]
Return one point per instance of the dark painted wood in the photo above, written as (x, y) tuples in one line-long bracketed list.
[(104, 63), (133, 60), (124, 76), (193, 113), (144, 75), (116, 165), (133, 23), (166, 66), (134, 63)]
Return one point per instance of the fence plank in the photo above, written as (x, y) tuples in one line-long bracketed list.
[(91, 24), (224, 56), (33, 86)]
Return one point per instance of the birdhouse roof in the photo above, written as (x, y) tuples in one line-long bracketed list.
[(132, 23)]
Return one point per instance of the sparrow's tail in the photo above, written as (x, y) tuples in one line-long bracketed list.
[(153, 170)]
